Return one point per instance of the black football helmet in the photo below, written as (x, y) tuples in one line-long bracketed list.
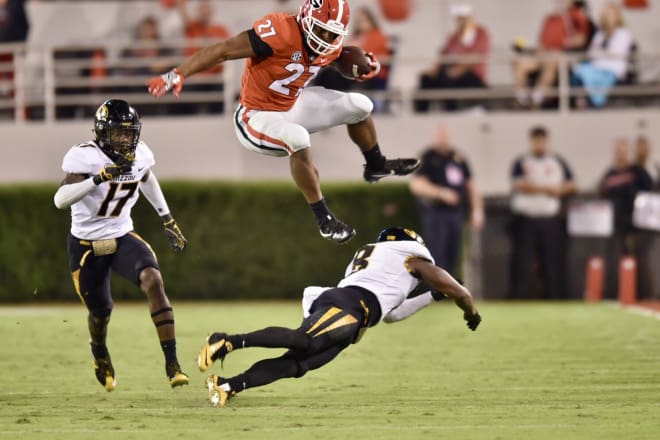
[(117, 128), (397, 233)]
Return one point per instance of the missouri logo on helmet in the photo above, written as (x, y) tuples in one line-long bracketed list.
[(102, 113)]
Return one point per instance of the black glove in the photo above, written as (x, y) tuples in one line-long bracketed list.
[(174, 235), (111, 171), (437, 295), (472, 320)]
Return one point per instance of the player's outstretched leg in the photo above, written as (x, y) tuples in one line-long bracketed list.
[(294, 363), (218, 345), (162, 316), (306, 177), (364, 135), (321, 336), (98, 329)]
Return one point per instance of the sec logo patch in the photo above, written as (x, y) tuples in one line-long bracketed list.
[(297, 56)]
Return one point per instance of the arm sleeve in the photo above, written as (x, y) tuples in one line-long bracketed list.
[(425, 169), (620, 43), (645, 181), (466, 170), (580, 22), (259, 46), (153, 193), (69, 194), (517, 169), (568, 174), (409, 307), (482, 45)]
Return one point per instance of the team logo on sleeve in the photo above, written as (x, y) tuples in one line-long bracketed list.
[(297, 56), (316, 3)]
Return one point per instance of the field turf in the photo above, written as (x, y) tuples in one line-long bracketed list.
[(531, 371)]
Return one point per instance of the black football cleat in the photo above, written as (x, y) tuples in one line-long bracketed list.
[(105, 372), (393, 167), (176, 377), (216, 347), (336, 230)]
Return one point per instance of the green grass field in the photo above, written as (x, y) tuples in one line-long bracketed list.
[(531, 371)]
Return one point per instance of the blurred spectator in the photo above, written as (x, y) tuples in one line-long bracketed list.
[(445, 193), (14, 28), (608, 56), (201, 27), (620, 185), (89, 70), (147, 45), (540, 179), (14, 25), (147, 39), (396, 10), (567, 29), (469, 38), (368, 35), (642, 158)]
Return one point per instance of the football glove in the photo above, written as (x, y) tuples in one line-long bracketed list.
[(437, 295), (375, 68), (472, 321), (111, 171), (174, 235), (172, 80)]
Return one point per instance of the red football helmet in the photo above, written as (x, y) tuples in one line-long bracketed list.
[(317, 16)]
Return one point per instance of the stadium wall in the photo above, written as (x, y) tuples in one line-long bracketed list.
[(206, 147)]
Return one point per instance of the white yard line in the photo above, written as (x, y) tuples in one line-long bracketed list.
[(644, 311)]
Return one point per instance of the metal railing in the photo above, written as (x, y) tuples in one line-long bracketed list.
[(57, 83)]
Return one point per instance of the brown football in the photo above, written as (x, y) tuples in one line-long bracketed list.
[(352, 62)]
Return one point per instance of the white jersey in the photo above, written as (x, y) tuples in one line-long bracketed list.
[(105, 212), (382, 269)]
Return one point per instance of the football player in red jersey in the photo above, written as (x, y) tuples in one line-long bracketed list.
[(277, 111)]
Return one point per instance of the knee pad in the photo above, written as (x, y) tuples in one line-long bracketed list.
[(296, 137), (361, 107)]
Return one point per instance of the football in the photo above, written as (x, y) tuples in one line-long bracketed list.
[(353, 62)]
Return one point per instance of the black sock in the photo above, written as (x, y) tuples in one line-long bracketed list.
[(99, 351), (272, 337), (169, 348), (264, 372), (237, 341), (375, 159), (321, 211), (237, 383)]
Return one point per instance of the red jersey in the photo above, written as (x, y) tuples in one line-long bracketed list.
[(274, 83), (558, 30), (480, 45)]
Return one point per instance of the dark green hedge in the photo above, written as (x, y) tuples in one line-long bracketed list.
[(246, 240)]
